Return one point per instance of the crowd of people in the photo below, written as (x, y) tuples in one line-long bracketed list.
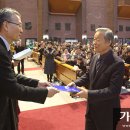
[(77, 54)]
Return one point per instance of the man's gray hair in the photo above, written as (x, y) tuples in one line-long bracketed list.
[(108, 34), (6, 14)]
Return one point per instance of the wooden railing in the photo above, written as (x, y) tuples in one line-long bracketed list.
[(127, 71), (65, 72), (35, 56)]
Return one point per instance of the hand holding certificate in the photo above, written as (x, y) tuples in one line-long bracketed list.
[(67, 89), (23, 54)]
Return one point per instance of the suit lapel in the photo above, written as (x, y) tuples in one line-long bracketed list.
[(8, 52), (107, 62), (103, 67), (92, 69), (2, 43)]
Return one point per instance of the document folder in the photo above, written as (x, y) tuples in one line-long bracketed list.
[(23, 54), (66, 88)]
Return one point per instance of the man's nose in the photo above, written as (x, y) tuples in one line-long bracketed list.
[(94, 42), (21, 30)]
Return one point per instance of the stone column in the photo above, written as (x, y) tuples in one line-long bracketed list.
[(40, 19), (112, 14), (45, 17), (2, 3), (84, 16)]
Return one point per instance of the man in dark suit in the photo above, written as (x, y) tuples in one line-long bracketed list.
[(18, 48), (12, 87), (104, 79)]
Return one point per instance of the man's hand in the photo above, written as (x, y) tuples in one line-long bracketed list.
[(15, 62), (44, 84), (71, 84), (52, 91), (83, 93)]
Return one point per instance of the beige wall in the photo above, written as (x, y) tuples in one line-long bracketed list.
[(28, 10), (62, 33), (124, 33), (99, 12)]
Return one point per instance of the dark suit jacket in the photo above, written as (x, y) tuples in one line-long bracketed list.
[(14, 88), (104, 87)]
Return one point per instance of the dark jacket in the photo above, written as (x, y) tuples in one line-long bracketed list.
[(19, 48), (50, 66), (13, 88), (104, 89)]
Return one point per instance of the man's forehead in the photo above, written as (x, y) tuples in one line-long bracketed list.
[(98, 34), (15, 16)]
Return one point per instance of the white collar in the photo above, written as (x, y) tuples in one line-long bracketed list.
[(6, 43)]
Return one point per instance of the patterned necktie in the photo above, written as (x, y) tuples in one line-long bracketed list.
[(98, 64), (10, 54)]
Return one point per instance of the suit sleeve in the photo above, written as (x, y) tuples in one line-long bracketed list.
[(27, 81), (83, 80), (9, 87), (112, 90)]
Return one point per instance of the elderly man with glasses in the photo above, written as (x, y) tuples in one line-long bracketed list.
[(104, 81), (12, 87)]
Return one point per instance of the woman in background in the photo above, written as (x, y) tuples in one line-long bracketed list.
[(49, 67)]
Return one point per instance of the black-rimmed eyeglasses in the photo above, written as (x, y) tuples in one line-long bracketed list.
[(18, 24)]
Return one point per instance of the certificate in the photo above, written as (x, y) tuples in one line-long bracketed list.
[(66, 88), (23, 54)]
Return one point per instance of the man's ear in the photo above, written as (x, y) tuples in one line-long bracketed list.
[(109, 43), (5, 25)]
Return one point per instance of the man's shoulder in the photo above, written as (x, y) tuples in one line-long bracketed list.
[(2, 49), (2, 45), (117, 58)]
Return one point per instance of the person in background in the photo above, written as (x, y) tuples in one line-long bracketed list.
[(127, 57), (104, 81), (15, 87), (49, 67), (81, 66), (18, 48), (65, 56), (41, 51)]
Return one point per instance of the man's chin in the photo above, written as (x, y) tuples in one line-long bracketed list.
[(16, 39)]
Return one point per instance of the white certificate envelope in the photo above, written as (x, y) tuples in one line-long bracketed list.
[(22, 54)]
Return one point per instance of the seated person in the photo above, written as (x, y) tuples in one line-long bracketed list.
[(65, 56), (77, 53), (80, 67), (127, 58)]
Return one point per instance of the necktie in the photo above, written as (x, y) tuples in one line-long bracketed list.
[(10, 56), (98, 64)]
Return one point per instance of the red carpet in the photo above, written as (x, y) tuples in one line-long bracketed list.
[(32, 69), (125, 100), (63, 117)]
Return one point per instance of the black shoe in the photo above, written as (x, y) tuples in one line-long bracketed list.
[(50, 81)]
